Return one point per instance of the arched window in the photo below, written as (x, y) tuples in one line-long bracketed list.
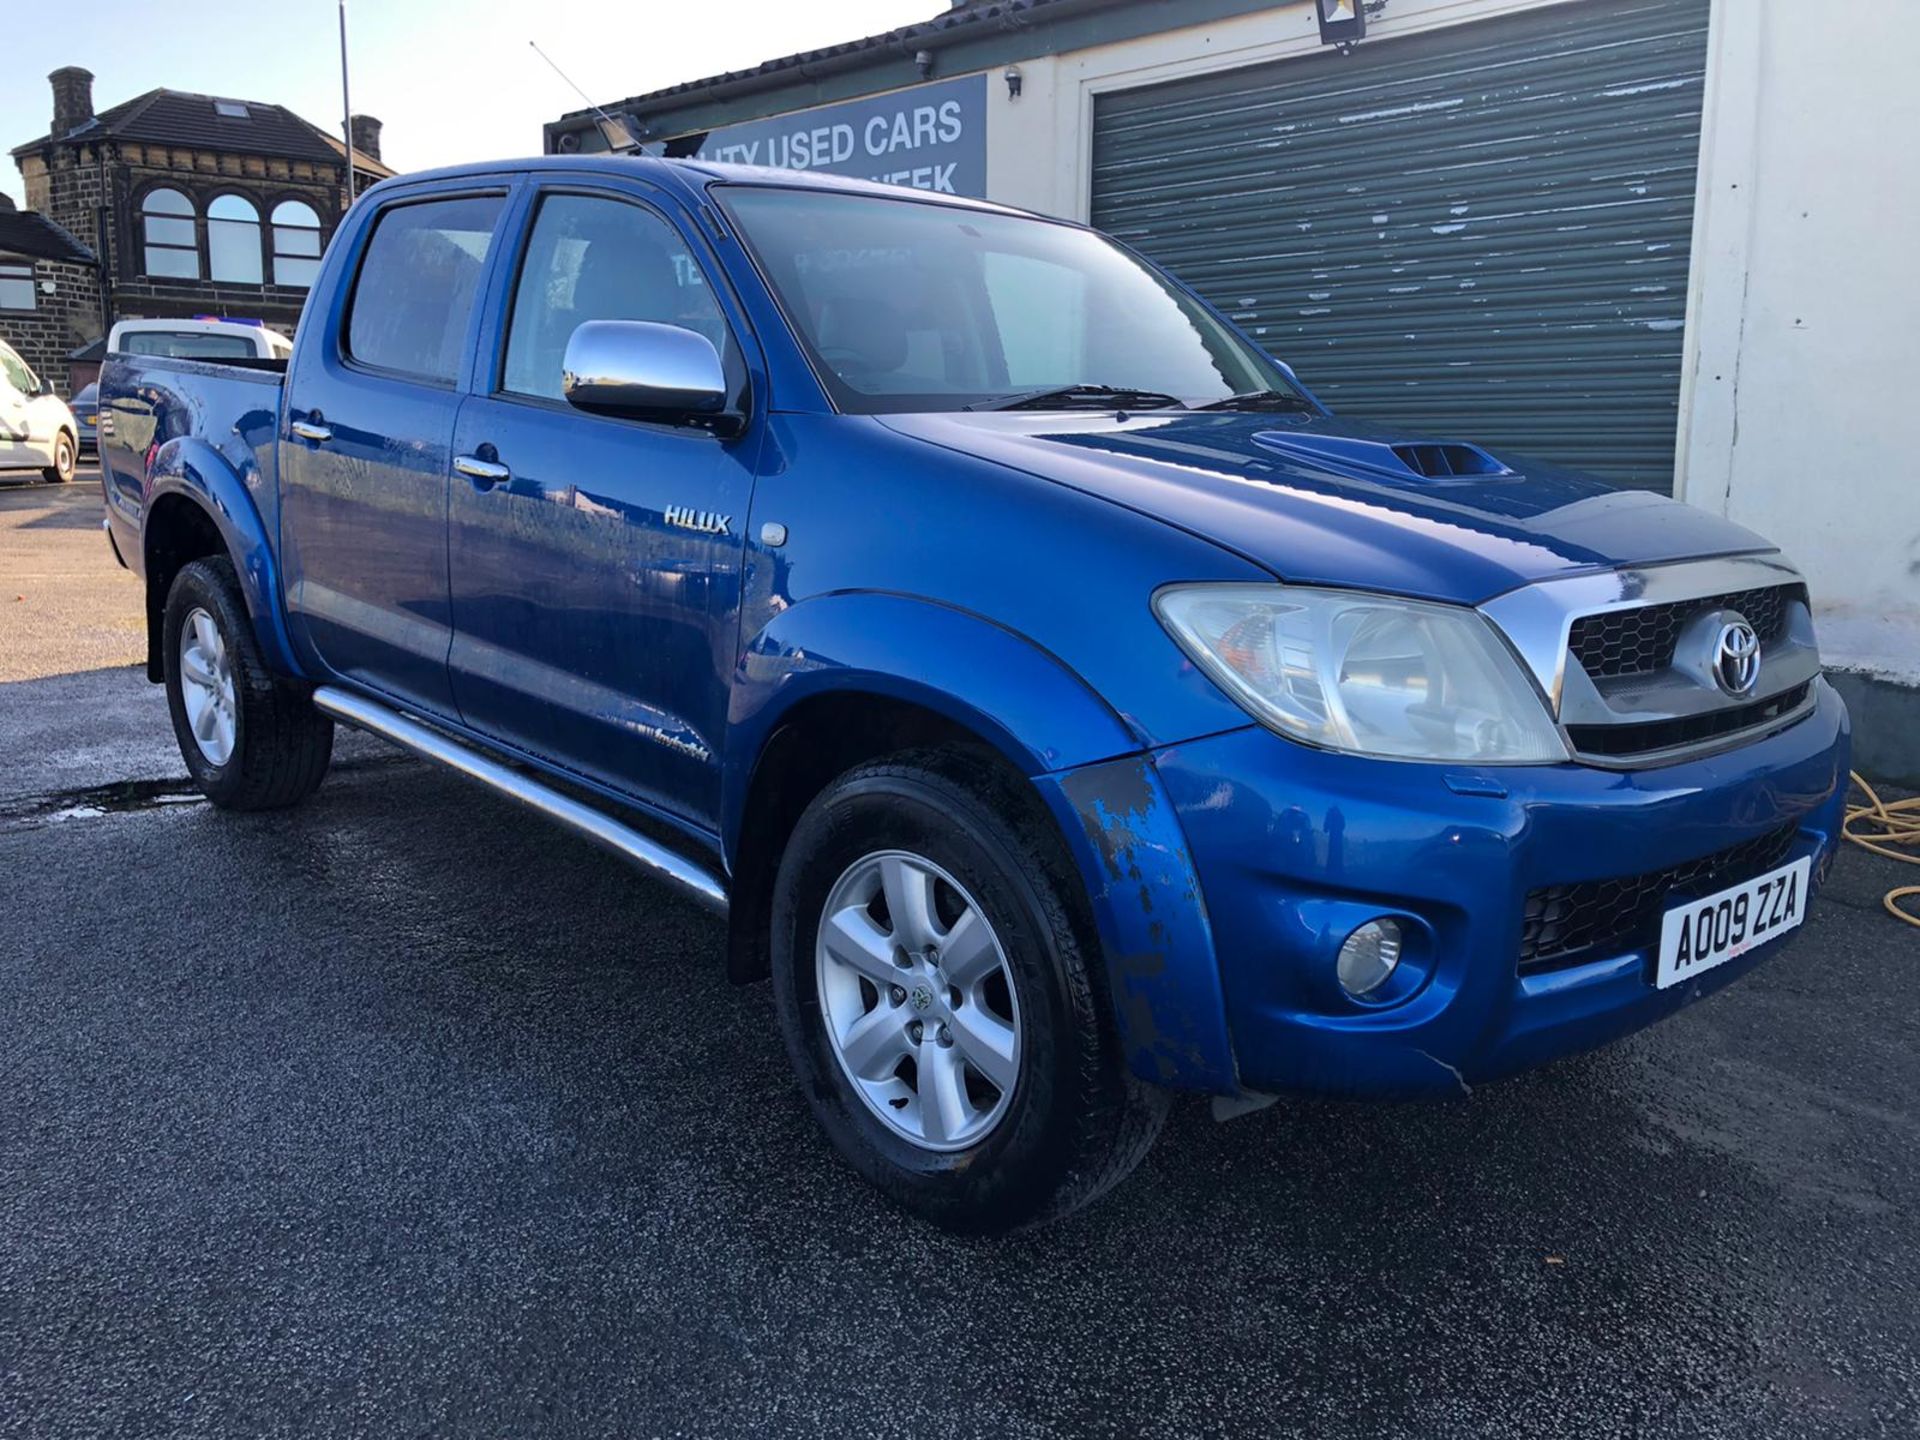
[(233, 240), (166, 228), (296, 243)]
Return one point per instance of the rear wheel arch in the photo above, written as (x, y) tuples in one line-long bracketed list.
[(178, 531), (199, 505)]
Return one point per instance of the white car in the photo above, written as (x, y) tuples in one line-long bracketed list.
[(202, 338), (37, 430)]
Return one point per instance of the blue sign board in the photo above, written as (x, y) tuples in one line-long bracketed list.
[(930, 137)]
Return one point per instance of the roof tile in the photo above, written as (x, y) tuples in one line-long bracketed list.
[(28, 232)]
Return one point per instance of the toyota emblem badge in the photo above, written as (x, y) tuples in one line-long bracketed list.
[(1736, 657)]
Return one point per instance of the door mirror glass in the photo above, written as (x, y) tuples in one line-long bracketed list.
[(642, 368)]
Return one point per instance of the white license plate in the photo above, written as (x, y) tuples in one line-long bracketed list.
[(1710, 931)]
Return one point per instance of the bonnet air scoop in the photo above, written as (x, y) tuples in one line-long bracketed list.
[(1397, 460)]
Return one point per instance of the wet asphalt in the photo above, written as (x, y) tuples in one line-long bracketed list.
[(403, 1114)]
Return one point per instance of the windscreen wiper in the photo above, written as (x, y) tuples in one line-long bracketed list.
[(1108, 397), (1260, 400)]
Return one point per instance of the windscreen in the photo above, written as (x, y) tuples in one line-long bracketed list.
[(911, 306)]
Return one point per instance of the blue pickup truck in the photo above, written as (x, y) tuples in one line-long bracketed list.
[(1062, 707)]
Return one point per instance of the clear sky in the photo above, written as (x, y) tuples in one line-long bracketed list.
[(452, 79)]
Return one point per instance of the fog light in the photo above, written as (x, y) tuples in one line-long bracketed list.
[(1368, 957)]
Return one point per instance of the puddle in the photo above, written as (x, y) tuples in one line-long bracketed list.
[(123, 797), (119, 798)]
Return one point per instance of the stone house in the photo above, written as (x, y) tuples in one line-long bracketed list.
[(192, 204), (49, 290)]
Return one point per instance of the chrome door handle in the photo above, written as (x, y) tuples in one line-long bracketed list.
[(474, 468), (315, 433)]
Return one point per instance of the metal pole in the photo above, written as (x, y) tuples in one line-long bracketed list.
[(346, 102)]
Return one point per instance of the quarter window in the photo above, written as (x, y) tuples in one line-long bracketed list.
[(233, 240), (591, 258), (296, 244), (16, 287), (416, 285), (167, 231)]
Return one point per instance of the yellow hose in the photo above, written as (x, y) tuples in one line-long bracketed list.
[(1889, 829)]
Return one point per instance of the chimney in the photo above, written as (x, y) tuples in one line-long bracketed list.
[(72, 98), (366, 136)]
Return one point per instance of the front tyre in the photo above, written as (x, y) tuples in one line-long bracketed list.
[(66, 455), (251, 740), (950, 1032)]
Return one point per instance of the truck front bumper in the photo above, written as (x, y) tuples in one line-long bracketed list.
[(1295, 847)]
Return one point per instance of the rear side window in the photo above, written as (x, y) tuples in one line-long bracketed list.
[(416, 285)]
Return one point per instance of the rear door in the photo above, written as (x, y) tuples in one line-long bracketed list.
[(591, 628), (365, 460)]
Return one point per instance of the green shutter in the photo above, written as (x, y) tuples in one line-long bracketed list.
[(1481, 232)]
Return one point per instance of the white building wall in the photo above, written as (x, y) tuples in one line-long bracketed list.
[(1800, 415), (1800, 407)]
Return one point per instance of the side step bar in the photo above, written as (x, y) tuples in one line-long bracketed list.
[(652, 857)]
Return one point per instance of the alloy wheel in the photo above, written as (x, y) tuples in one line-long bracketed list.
[(206, 687), (919, 1001)]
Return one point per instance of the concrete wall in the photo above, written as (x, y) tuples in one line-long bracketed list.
[(1801, 412)]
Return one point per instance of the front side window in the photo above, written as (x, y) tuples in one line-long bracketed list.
[(414, 293), (233, 240), (167, 232), (909, 306), (296, 244), (591, 258), (16, 286)]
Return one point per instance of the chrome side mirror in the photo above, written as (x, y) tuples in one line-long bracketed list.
[(642, 369)]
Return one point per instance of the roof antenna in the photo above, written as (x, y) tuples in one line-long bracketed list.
[(619, 135)]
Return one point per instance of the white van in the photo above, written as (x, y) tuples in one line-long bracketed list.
[(205, 337), (37, 430)]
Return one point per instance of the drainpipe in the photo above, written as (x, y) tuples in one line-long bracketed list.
[(102, 245)]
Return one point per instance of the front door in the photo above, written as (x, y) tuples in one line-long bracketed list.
[(595, 562), (365, 465)]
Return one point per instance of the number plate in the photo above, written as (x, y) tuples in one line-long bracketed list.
[(1707, 932)]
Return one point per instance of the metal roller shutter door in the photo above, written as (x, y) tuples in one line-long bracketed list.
[(1482, 232)]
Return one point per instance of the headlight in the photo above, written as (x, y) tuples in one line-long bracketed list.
[(1365, 673)]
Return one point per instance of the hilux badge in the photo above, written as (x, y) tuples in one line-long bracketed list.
[(1736, 657), (708, 522)]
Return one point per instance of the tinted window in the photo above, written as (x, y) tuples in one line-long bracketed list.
[(416, 285), (186, 345), (166, 221), (599, 259), (296, 243), (908, 305), (233, 240)]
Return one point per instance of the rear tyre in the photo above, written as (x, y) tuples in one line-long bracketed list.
[(251, 740), (949, 1030), (65, 457)]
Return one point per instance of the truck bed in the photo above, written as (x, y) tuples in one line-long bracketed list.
[(149, 401)]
